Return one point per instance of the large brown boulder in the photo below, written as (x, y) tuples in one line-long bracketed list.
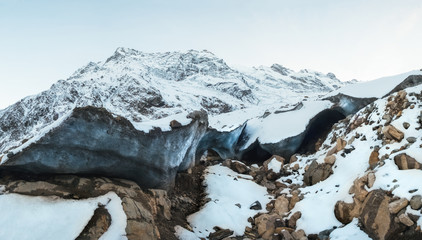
[(392, 133), (404, 162), (316, 173), (376, 219)]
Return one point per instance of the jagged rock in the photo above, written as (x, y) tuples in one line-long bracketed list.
[(97, 226), (298, 234), (175, 124), (141, 208), (220, 234), (345, 212), (256, 206), (416, 202), (294, 199), (375, 217), (293, 219), (281, 205), (406, 125), (374, 158), (286, 235), (371, 179), (398, 205), (161, 200), (404, 162), (266, 225), (406, 220), (340, 145), (358, 188), (316, 173), (392, 133), (293, 158), (330, 159), (239, 167)]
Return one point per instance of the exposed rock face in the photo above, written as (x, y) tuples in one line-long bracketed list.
[(376, 218), (142, 208), (92, 141)]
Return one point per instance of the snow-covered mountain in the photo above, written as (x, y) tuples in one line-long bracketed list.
[(151, 89)]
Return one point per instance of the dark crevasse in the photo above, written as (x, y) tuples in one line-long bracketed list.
[(318, 129)]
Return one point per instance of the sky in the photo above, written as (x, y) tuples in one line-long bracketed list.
[(44, 41)]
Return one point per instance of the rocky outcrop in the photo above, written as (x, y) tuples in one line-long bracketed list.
[(94, 142), (142, 208)]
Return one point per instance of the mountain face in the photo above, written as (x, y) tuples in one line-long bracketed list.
[(146, 87)]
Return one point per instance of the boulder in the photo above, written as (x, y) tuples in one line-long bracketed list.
[(398, 205), (266, 225), (374, 158), (330, 159), (404, 162), (375, 217), (416, 202), (345, 212), (392, 133), (281, 205), (316, 173), (293, 219)]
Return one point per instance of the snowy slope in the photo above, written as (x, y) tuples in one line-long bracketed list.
[(376, 88), (151, 89), (352, 165)]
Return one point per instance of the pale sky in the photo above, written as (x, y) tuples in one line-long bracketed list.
[(44, 41)]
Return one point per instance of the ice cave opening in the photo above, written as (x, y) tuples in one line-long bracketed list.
[(318, 129)]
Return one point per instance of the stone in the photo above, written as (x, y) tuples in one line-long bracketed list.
[(330, 159), (371, 179), (416, 202), (293, 219), (340, 145), (296, 167), (375, 217), (293, 158), (175, 124), (266, 225), (411, 139), (220, 234), (298, 234), (373, 159), (345, 212), (294, 199), (162, 201), (392, 133), (406, 125), (286, 235), (97, 226), (239, 167), (256, 206), (316, 173), (404, 162), (406, 220), (281, 205), (398, 205)]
